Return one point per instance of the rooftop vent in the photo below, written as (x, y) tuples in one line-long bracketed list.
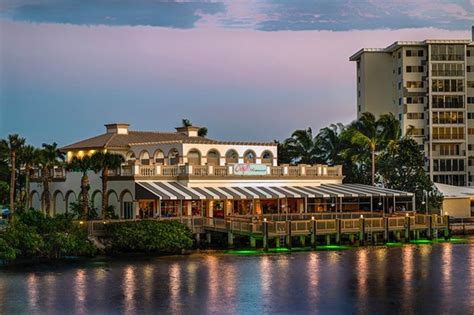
[(117, 128)]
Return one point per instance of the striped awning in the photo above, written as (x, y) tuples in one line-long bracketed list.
[(176, 191)]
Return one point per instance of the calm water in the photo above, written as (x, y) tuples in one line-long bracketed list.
[(419, 279)]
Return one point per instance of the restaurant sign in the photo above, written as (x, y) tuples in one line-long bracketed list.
[(250, 169)]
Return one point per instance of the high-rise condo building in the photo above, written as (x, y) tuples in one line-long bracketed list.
[(429, 86)]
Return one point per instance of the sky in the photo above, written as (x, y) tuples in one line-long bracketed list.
[(247, 70)]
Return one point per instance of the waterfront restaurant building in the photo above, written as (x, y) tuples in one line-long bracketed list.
[(170, 174)]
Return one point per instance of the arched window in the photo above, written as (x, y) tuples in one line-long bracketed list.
[(130, 156), (213, 157), (267, 157), (194, 157), (173, 157), (231, 157), (145, 158), (250, 157), (159, 157)]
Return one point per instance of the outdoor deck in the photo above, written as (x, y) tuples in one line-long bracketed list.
[(360, 226)]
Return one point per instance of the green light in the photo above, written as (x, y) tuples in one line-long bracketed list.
[(421, 242), (279, 250), (393, 244), (243, 252), (332, 247)]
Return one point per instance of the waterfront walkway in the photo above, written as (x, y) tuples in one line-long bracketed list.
[(277, 230)]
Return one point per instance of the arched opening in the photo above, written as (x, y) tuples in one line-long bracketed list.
[(145, 158), (159, 157), (130, 156), (126, 200), (70, 198), (194, 157), (267, 158), (35, 200), (97, 202), (59, 206), (114, 202), (250, 157), (231, 157), (213, 157), (173, 157)]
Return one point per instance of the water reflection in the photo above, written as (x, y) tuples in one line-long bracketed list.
[(313, 276), (80, 291), (129, 288), (407, 276), (408, 279), (32, 283), (446, 273)]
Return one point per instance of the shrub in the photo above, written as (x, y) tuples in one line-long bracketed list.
[(37, 235), (6, 251), (149, 236)]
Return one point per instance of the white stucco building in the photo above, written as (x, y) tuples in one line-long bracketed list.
[(182, 174)]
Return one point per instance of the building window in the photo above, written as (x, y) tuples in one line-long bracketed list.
[(213, 158), (470, 100), (470, 115), (267, 158), (399, 85), (469, 69), (470, 84), (416, 132), (415, 100), (408, 53), (399, 54), (358, 106), (173, 157), (415, 115), (447, 101), (249, 157), (400, 101), (159, 157), (194, 157), (447, 85), (415, 84), (420, 53), (399, 70), (231, 157)]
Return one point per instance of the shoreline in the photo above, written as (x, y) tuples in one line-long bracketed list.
[(243, 251)]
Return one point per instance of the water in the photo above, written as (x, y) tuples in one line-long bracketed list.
[(421, 279)]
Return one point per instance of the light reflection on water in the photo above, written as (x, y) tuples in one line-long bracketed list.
[(409, 279)]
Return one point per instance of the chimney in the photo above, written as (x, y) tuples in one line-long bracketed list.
[(117, 128), (190, 131)]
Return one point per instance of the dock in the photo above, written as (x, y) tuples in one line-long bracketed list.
[(309, 228)]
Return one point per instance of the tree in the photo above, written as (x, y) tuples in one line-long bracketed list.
[(13, 144), (82, 165), (374, 135), (284, 155), (403, 169), (202, 132), (48, 157), (186, 122), (103, 162), (28, 157), (302, 146), (330, 143)]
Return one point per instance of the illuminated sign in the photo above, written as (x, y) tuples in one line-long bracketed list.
[(250, 169)]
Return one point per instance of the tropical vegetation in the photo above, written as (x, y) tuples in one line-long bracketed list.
[(371, 151)]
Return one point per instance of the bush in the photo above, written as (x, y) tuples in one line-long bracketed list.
[(6, 251), (34, 234), (149, 236)]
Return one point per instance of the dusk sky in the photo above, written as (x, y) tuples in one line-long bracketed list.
[(246, 70)]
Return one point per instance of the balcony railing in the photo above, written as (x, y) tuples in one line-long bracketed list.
[(156, 170), (228, 170)]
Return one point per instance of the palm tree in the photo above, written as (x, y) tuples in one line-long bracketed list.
[(48, 157), (302, 146), (103, 162), (28, 157), (82, 165), (13, 145), (368, 132), (330, 143)]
